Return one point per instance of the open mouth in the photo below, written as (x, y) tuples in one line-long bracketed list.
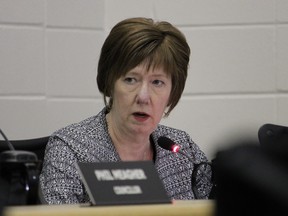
[(140, 115)]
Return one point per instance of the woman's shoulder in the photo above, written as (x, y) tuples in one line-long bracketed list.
[(88, 126)]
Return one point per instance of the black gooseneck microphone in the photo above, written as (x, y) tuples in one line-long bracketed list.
[(14, 155), (170, 145), (9, 144), (19, 171)]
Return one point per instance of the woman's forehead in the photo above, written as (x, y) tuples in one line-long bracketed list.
[(144, 68)]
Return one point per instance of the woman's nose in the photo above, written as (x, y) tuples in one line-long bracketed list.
[(143, 95)]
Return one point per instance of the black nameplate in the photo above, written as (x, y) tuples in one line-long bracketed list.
[(118, 183)]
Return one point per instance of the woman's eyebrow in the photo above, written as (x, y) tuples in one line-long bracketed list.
[(132, 72), (161, 75)]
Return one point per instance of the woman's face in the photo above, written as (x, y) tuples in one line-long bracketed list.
[(139, 99)]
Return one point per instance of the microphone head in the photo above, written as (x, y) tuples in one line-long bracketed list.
[(168, 144)]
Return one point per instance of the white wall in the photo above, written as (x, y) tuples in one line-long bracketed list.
[(238, 78)]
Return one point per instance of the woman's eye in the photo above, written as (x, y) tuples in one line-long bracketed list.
[(130, 80), (158, 82)]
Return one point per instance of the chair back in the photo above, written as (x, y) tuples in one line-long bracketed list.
[(36, 145), (20, 169)]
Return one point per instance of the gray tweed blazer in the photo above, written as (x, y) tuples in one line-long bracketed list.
[(89, 141)]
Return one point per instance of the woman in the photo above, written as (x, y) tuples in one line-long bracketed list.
[(141, 73)]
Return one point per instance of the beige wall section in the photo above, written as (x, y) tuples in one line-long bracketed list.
[(238, 76)]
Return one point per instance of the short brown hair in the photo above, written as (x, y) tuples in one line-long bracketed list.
[(137, 40)]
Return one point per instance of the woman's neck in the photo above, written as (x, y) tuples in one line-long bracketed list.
[(129, 146)]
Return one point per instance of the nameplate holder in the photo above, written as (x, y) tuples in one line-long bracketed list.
[(122, 183)]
